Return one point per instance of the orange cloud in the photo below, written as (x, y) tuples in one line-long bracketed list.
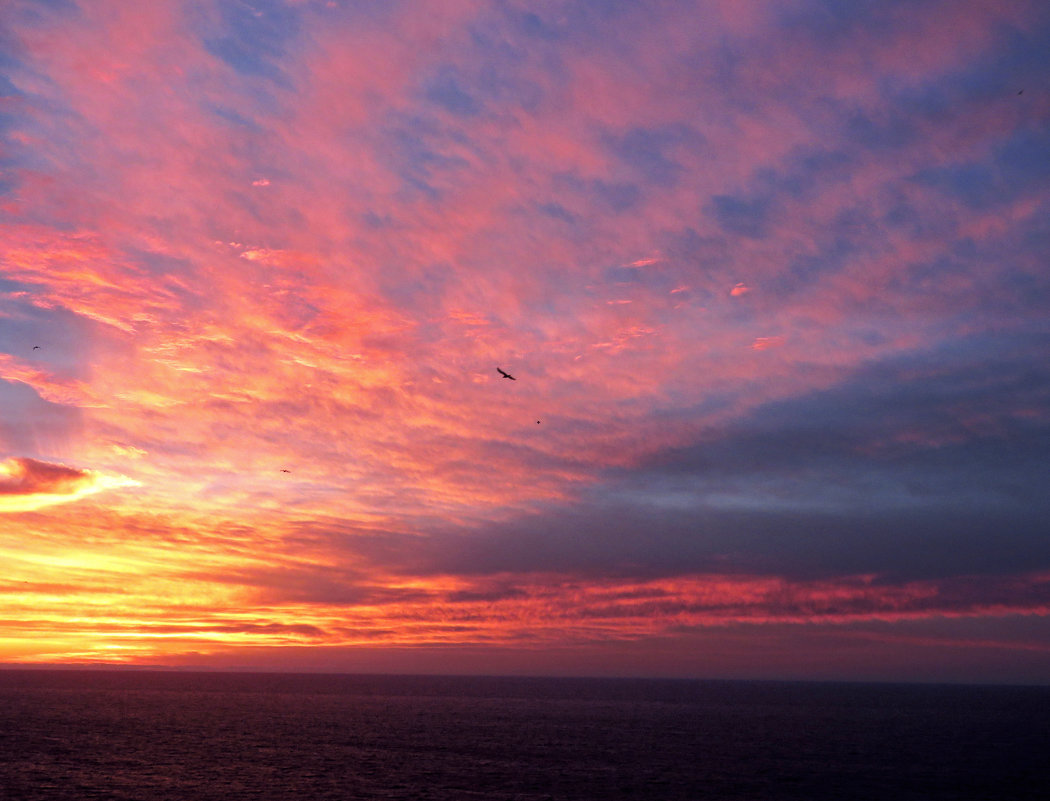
[(739, 289), (29, 484), (158, 598)]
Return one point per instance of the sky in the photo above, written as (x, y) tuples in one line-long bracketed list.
[(771, 278)]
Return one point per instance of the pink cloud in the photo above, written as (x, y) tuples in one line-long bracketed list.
[(765, 343), (48, 386)]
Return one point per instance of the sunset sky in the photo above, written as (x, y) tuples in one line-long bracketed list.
[(773, 279)]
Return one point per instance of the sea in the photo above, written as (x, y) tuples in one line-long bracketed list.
[(143, 735)]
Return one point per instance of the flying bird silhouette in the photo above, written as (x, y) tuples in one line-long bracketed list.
[(285, 471), (506, 375), (36, 347)]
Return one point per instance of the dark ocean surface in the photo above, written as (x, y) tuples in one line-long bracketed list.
[(172, 735)]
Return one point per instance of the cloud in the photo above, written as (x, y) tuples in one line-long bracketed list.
[(29, 484), (51, 388), (925, 466), (765, 343)]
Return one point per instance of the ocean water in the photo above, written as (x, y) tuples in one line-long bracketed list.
[(172, 735)]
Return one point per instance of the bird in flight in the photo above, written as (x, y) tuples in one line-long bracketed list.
[(285, 471), (506, 375), (36, 347)]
